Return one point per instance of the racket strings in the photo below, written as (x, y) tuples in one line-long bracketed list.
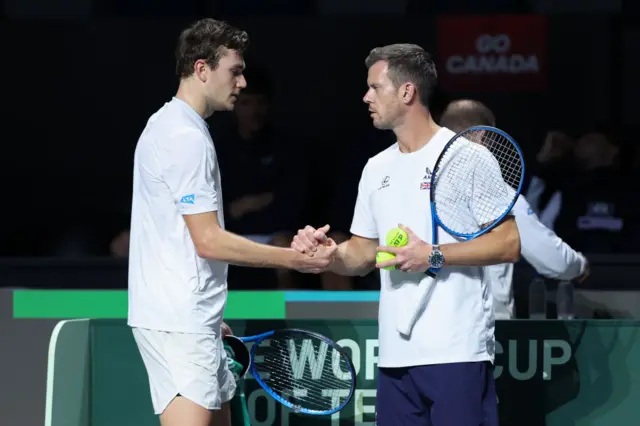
[(507, 155), (476, 181), (306, 372)]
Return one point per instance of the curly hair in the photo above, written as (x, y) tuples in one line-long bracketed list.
[(207, 39)]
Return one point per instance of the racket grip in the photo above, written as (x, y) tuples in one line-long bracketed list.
[(407, 315)]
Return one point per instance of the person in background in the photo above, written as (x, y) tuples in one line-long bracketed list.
[(263, 196), (540, 246), (595, 206), (554, 164)]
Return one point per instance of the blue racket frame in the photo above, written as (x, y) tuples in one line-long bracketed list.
[(256, 339), (435, 220)]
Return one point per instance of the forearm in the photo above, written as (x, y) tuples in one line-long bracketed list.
[(552, 257), (352, 259), (227, 247), (501, 245)]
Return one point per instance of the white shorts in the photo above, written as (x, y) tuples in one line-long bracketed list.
[(192, 365)]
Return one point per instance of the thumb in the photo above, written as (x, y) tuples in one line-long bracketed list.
[(408, 230), (320, 233)]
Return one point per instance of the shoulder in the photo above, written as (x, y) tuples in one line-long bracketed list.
[(382, 158), (181, 144), (377, 165), (522, 208)]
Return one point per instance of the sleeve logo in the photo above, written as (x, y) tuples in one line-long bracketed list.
[(188, 199)]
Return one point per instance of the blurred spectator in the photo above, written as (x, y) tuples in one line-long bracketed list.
[(262, 196), (594, 199), (554, 164)]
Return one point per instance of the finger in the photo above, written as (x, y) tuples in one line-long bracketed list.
[(319, 236), (297, 247), (404, 267), (304, 240), (391, 262), (325, 229), (408, 230), (310, 232), (392, 250)]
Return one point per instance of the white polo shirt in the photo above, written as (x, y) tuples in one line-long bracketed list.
[(458, 323), (176, 173)]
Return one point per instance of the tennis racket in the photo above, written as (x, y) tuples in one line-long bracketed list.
[(303, 370), (476, 181)]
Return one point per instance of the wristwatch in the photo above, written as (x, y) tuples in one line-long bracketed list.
[(436, 258)]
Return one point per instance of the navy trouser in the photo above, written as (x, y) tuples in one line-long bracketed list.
[(456, 394)]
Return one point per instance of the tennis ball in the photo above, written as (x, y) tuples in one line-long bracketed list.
[(383, 256), (397, 238)]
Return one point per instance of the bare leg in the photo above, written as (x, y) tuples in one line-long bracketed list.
[(184, 412)]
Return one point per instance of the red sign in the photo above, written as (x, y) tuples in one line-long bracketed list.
[(499, 53)]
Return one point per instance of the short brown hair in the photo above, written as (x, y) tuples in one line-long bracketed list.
[(207, 39), (464, 113), (408, 63)]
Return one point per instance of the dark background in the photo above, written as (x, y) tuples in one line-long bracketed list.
[(80, 78)]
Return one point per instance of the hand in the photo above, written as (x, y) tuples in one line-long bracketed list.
[(413, 257), (587, 271), (226, 330), (308, 239), (320, 260)]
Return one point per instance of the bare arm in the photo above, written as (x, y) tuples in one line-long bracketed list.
[(213, 242), (356, 256), (500, 245)]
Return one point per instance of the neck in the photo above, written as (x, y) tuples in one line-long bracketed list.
[(194, 98), (415, 131)]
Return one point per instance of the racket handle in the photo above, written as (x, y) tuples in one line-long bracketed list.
[(408, 314)]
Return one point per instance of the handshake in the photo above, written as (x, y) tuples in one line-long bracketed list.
[(319, 250)]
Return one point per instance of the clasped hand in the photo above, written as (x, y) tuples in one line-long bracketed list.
[(413, 257), (319, 248)]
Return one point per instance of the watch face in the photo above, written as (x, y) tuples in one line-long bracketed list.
[(436, 259)]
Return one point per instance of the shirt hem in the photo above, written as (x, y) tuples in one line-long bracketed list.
[(172, 329), (198, 210), (436, 361)]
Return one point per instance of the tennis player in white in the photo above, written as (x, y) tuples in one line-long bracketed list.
[(440, 375), (540, 246), (179, 248)]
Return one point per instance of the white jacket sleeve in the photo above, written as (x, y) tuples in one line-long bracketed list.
[(543, 249)]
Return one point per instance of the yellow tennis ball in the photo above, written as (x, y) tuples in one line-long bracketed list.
[(383, 256), (397, 238)]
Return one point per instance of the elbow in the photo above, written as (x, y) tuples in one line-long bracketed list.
[(205, 251), (205, 248), (511, 244)]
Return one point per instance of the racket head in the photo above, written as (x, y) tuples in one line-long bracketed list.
[(241, 353), (318, 379), (476, 181)]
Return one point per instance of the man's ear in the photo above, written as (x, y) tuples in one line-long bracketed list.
[(408, 93)]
